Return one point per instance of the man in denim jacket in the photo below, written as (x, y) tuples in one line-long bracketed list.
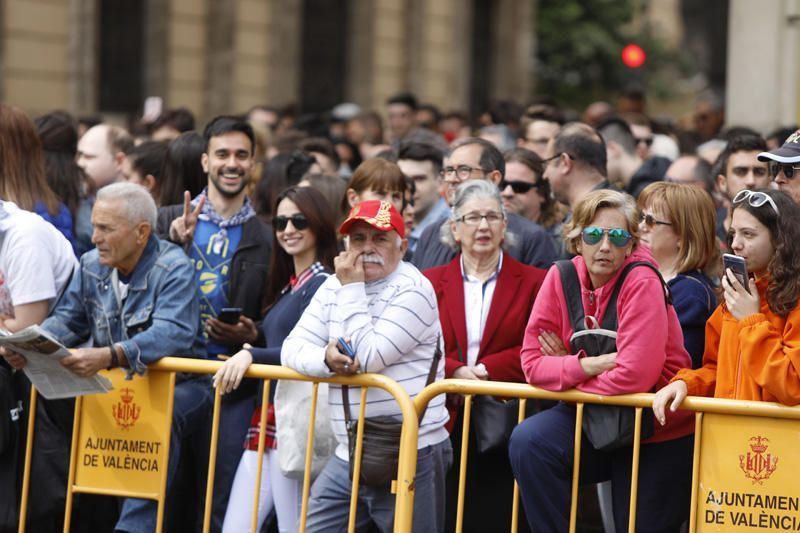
[(135, 297)]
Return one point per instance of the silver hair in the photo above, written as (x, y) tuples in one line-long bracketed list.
[(471, 190), (137, 202)]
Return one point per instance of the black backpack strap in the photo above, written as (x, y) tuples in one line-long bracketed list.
[(571, 286), (610, 315)]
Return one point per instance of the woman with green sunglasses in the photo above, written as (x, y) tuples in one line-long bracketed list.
[(603, 233)]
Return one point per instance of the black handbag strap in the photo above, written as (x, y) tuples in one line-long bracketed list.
[(571, 287), (437, 356), (611, 310)]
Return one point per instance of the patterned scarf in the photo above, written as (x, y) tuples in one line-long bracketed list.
[(240, 217)]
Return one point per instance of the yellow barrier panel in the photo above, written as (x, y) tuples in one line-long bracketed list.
[(736, 443), (121, 440), (748, 475)]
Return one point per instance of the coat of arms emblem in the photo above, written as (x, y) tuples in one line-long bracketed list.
[(126, 412), (757, 464)]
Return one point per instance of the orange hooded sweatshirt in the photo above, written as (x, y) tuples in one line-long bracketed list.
[(756, 358)]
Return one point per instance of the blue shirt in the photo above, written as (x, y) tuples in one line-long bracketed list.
[(211, 253)]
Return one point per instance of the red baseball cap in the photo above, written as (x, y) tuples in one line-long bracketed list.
[(379, 214)]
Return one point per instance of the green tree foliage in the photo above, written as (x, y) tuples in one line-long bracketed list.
[(579, 51)]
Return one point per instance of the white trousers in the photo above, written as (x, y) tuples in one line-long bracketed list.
[(277, 491)]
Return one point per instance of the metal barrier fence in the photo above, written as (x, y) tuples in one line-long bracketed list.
[(403, 486), (757, 467), (701, 406)]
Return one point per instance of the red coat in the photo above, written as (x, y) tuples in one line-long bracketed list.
[(516, 288)]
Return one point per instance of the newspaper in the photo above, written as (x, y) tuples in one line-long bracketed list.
[(44, 369)]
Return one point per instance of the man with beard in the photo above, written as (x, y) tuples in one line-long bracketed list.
[(230, 248)]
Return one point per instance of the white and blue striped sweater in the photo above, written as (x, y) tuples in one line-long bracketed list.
[(393, 325)]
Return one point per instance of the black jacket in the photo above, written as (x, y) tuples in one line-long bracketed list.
[(249, 266)]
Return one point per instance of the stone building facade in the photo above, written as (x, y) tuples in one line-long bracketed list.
[(222, 56)]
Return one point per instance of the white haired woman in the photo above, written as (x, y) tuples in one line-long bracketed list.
[(484, 296)]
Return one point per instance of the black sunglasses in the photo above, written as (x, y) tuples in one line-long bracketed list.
[(299, 221), (519, 187), (788, 169), (651, 221)]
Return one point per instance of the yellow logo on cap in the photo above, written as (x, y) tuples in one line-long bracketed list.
[(381, 220)]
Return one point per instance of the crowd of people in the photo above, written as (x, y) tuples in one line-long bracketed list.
[(541, 246)]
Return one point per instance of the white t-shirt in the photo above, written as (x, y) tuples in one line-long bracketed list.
[(35, 258)]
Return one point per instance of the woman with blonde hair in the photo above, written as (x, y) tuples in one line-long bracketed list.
[(677, 224), (573, 340)]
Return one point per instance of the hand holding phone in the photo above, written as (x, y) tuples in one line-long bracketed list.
[(738, 267), (340, 357)]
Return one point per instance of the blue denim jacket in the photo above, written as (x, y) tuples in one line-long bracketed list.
[(158, 318)]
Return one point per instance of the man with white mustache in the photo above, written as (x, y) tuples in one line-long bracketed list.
[(230, 248), (387, 311)]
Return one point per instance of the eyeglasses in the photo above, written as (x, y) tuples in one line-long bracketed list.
[(616, 236), (755, 199), (541, 141), (788, 170), (646, 140), (519, 187), (758, 171), (462, 171), (651, 221), (299, 221), (547, 160), (474, 219)]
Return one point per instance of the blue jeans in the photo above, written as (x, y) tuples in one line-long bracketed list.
[(329, 502), (191, 409), (541, 453)]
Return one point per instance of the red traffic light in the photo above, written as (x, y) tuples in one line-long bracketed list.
[(633, 56)]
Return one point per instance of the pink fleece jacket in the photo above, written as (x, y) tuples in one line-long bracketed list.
[(649, 339)]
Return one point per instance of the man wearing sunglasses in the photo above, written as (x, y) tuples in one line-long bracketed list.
[(784, 166), (230, 249)]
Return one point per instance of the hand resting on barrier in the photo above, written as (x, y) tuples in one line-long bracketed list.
[(471, 372), (675, 392), (229, 376)]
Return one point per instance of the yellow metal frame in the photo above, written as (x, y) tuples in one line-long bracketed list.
[(403, 487), (407, 467), (469, 388)]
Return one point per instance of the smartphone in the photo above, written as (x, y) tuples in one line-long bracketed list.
[(230, 315), (738, 266), (346, 348)]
